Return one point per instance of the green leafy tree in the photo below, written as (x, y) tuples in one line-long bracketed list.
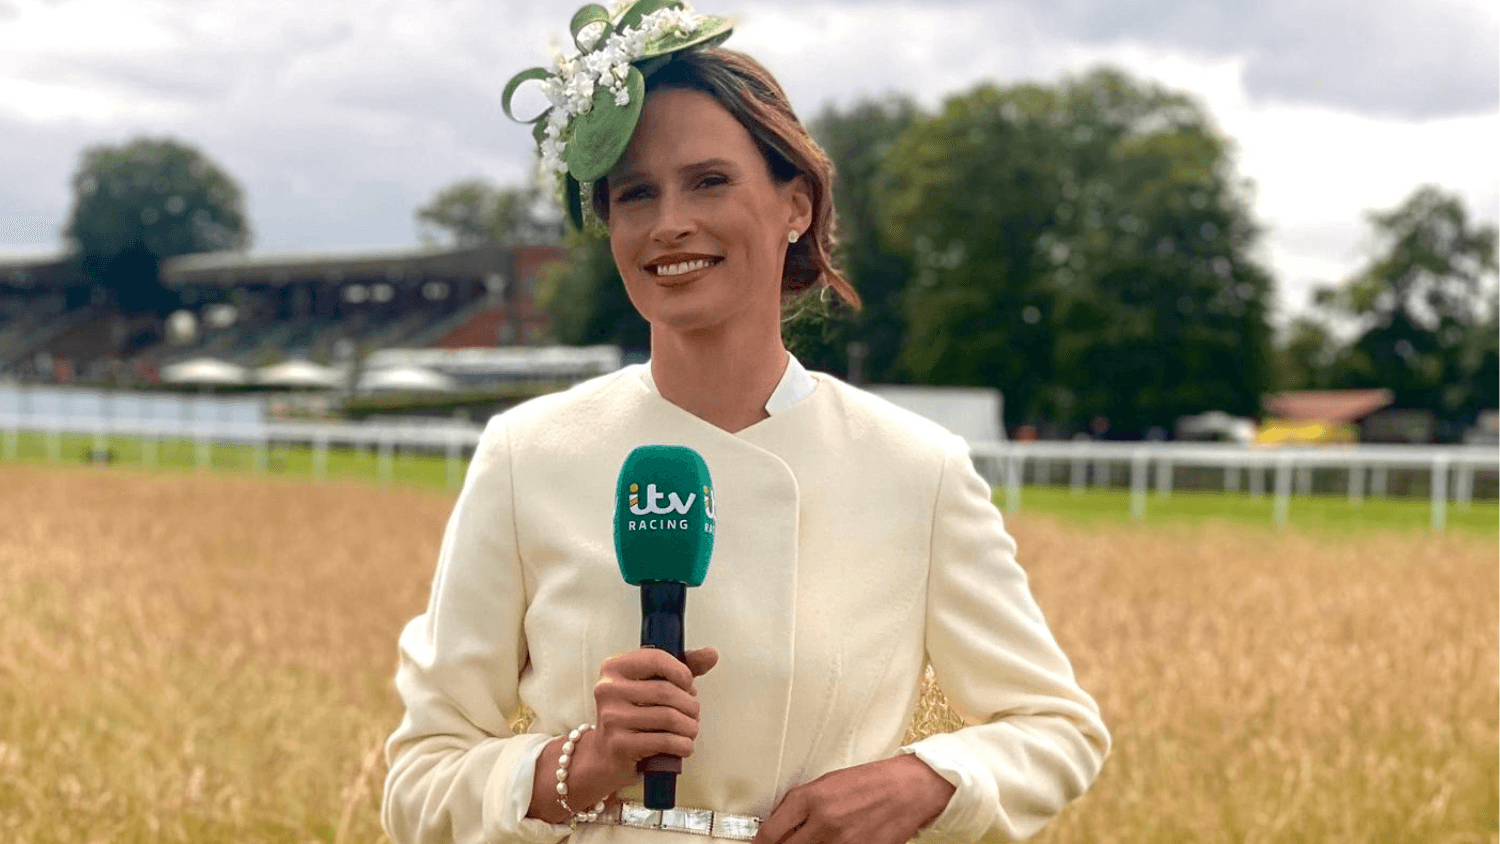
[(1086, 248), (144, 200), (471, 212), (1307, 356), (1424, 307), (858, 140), (587, 301)]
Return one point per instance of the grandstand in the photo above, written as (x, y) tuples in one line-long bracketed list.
[(256, 310)]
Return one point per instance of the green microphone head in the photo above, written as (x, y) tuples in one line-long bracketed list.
[(664, 515)]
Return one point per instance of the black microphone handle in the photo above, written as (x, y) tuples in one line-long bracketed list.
[(662, 605)]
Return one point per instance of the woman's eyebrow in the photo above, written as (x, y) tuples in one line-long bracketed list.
[(626, 178), (709, 164)]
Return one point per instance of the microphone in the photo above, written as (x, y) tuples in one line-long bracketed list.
[(664, 536)]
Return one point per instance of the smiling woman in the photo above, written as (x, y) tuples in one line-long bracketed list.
[(854, 542), (744, 91), (698, 226)]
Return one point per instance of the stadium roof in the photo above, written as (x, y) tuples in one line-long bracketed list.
[(22, 259), (238, 259), (27, 261), (235, 267)]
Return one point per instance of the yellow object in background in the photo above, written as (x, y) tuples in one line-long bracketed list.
[(1282, 432)]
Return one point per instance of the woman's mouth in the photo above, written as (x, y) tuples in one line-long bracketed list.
[(682, 267)]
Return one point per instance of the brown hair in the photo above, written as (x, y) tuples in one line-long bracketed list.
[(748, 91)]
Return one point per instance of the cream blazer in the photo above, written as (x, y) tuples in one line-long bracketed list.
[(854, 541)]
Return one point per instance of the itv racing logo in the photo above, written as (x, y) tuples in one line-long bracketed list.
[(671, 505)]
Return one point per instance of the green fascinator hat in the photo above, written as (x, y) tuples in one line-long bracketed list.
[(596, 91)]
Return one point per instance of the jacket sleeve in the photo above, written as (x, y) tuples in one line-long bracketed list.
[(457, 773), (1035, 740)]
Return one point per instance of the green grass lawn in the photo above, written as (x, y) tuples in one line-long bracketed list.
[(1312, 512), (433, 471), (423, 470)]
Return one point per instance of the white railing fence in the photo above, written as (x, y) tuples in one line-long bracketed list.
[(1452, 469), (452, 439), (1365, 470)]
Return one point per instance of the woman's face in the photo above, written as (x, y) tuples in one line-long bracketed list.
[(697, 225)]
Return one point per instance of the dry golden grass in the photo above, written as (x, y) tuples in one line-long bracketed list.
[(188, 659)]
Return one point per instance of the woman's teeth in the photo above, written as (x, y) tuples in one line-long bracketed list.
[(684, 267)]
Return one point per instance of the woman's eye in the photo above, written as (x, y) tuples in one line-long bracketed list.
[(631, 193), (712, 181)]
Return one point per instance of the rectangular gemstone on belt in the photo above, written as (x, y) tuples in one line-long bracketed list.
[(638, 815), (739, 827), (700, 821)]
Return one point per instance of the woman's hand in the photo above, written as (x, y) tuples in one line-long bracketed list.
[(646, 703), (885, 802)]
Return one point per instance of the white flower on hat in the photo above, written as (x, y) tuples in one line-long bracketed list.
[(575, 77), (590, 35)]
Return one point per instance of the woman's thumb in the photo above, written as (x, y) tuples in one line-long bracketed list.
[(699, 661)]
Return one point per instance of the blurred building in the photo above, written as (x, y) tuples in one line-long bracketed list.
[(253, 310)]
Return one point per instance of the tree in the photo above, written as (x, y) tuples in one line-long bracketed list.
[(145, 200), (858, 140), (1086, 248), (1307, 356), (586, 298), (470, 212), (1424, 308)]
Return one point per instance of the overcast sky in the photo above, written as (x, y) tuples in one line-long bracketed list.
[(339, 118)]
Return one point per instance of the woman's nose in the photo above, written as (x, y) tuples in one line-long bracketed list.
[(674, 220)]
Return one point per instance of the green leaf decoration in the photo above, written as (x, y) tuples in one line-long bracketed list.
[(592, 13), (601, 134), (635, 14), (537, 73), (573, 197), (712, 31)]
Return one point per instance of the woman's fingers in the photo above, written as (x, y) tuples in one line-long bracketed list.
[(633, 746), (649, 664), (788, 817), (649, 719), (648, 693)]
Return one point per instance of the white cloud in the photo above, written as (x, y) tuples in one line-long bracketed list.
[(1317, 170), (340, 118)]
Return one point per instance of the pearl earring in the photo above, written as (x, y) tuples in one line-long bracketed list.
[(791, 236)]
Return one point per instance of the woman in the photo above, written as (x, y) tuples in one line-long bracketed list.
[(855, 541)]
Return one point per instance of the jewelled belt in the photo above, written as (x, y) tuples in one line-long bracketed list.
[(692, 821)]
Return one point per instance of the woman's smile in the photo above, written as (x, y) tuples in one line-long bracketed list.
[(681, 268)]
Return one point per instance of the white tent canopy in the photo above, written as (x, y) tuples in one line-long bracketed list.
[(409, 379), (974, 413), (506, 361), (299, 373), (210, 372)]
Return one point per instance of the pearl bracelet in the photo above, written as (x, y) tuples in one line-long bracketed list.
[(563, 762)]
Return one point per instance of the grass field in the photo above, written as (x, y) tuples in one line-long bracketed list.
[(190, 657)]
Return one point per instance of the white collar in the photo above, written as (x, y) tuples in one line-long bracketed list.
[(795, 385)]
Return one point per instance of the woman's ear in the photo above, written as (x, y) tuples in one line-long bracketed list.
[(799, 194)]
